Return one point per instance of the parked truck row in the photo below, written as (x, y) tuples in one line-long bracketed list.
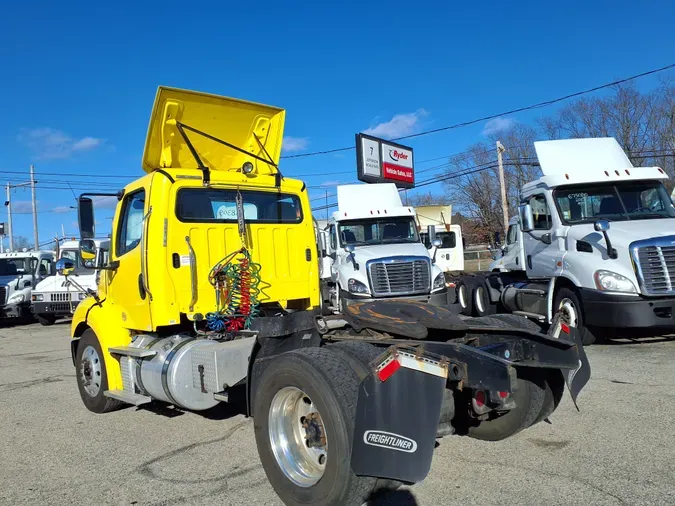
[(31, 287), (213, 291)]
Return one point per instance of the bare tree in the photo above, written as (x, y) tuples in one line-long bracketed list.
[(20, 242), (642, 123), (426, 199)]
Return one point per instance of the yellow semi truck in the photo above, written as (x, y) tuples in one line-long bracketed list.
[(212, 289)]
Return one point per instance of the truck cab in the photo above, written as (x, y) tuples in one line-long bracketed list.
[(371, 249), (437, 219), (20, 272), (595, 237), (57, 296)]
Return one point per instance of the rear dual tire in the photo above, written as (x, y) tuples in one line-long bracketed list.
[(330, 384)]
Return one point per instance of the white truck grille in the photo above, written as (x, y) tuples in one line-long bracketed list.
[(654, 262), (61, 297), (399, 276)]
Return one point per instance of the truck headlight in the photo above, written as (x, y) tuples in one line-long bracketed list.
[(38, 297), (355, 286), (609, 281), (16, 298), (439, 282)]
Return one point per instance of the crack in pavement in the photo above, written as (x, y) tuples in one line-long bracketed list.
[(9, 387), (223, 484), (545, 473)]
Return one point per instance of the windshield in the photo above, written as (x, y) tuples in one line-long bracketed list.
[(614, 202), (15, 266), (378, 231)]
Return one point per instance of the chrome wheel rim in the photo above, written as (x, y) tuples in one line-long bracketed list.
[(461, 295), (297, 437), (90, 371), (479, 299), (569, 312)]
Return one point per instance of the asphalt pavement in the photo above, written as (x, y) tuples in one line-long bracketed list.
[(619, 449)]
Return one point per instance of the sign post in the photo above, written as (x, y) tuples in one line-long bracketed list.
[(382, 161)]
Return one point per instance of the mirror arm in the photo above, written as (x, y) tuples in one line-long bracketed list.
[(611, 252)]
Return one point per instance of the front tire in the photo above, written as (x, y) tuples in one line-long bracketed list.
[(92, 377), (309, 464), (567, 302), (46, 319)]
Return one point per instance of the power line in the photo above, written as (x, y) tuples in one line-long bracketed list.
[(505, 113)]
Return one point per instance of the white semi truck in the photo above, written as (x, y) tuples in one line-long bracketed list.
[(595, 239), (371, 249), (57, 296), (450, 253), (20, 272)]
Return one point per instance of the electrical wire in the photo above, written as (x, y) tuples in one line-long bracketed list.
[(500, 114)]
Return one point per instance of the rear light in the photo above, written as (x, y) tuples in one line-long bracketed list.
[(388, 368), (397, 359), (503, 395), (565, 328)]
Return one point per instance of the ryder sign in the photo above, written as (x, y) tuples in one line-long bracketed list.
[(381, 161)]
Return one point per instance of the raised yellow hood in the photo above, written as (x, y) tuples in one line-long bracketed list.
[(234, 121)]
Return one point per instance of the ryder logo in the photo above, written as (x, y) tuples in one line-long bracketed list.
[(389, 441), (396, 155)]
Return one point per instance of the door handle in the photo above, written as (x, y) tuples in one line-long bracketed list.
[(529, 261), (141, 287)]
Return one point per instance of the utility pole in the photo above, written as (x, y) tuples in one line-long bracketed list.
[(505, 209), (35, 220), (8, 203)]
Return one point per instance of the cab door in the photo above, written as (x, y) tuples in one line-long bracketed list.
[(125, 288), (541, 251)]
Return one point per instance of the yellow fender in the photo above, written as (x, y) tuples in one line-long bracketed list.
[(103, 320)]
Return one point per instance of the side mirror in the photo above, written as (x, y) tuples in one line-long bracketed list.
[(64, 267), (526, 217), (88, 252), (601, 226), (436, 243), (349, 248), (431, 232), (85, 217)]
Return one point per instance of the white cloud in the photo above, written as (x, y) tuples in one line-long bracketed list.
[(23, 206), (398, 126), (292, 144), (61, 209), (86, 143), (50, 143), (105, 202), (497, 125)]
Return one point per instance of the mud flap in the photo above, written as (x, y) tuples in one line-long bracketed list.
[(396, 425), (577, 378)]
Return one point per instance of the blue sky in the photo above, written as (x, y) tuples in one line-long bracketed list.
[(78, 78)]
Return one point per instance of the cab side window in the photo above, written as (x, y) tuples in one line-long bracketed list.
[(541, 212), (131, 223), (333, 239), (45, 267)]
